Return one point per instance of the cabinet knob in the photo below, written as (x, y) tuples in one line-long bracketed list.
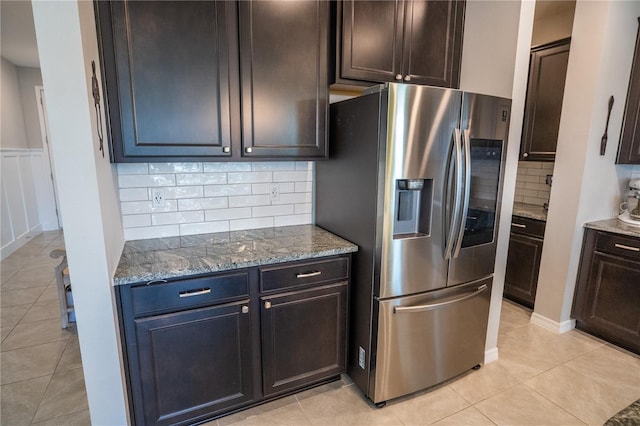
[(226, 149), (248, 150), (407, 78), (525, 155), (245, 309), (267, 305), (398, 76)]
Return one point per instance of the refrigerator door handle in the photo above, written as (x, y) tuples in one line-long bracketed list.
[(466, 148), (430, 306), (457, 202)]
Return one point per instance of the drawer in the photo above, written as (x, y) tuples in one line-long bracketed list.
[(526, 226), (628, 247), (304, 273), (183, 294)]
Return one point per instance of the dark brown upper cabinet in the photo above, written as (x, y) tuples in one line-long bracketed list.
[(412, 41), (175, 90), (545, 90), (629, 148), (284, 68)]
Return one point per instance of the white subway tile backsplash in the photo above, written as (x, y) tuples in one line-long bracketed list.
[(230, 189), (133, 168), (226, 214), (175, 167), (281, 210), (142, 181), (202, 203), (249, 201), (530, 182), (226, 167), (241, 224), (201, 178), (271, 166), (213, 197), (249, 177), (136, 220), (134, 194), (297, 219), (204, 227), (151, 232), (177, 217)]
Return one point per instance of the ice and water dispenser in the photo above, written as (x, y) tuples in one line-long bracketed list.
[(412, 215)]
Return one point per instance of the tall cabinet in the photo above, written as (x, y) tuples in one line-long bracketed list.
[(629, 148)]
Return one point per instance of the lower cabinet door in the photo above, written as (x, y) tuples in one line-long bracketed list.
[(523, 265), (194, 363), (303, 337)]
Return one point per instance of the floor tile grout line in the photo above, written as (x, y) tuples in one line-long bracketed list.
[(557, 405), (56, 417)]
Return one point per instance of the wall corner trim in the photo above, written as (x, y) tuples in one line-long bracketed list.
[(490, 355), (551, 325)]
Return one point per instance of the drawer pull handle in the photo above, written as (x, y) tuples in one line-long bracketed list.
[(157, 282), (309, 274), (622, 246), (518, 225), (199, 292)]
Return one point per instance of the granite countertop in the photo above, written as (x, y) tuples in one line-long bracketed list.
[(172, 257), (530, 211), (615, 226)]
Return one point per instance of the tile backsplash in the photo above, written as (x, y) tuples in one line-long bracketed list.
[(200, 198), (530, 182)]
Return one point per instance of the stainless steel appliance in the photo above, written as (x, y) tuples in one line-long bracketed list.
[(415, 179)]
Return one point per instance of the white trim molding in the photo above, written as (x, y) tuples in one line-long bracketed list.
[(551, 325), (490, 355)]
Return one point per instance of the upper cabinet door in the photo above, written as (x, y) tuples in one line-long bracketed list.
[(284, 78), (545, 90), (167, 78), (432, 45), (629, 148), (411, 41), (372, 40)]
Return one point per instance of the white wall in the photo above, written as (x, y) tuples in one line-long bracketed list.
[(28, 79), (13, 133), (66, 37), (586, 186), (496, 44)]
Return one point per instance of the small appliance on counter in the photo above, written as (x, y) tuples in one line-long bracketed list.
[(630, 209)]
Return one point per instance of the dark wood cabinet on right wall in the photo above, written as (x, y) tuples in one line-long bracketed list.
[(411, 41), (629, 148)]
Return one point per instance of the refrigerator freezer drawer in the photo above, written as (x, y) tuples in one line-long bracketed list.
[(428, 338)]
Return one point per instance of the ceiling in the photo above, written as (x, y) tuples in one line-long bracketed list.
[(18, 35)]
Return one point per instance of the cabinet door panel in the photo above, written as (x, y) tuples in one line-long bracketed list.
[(523, 265), (545, 91), (284, 75), (371, 40), (629, 148), (166, 66), (194, 363), (303, 337), (433, 42)]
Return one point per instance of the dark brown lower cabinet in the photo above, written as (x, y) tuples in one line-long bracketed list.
[(523, 260), (607, 297), (199, 348), (303, 335)]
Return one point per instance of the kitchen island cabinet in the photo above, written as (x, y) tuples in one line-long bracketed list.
[(254, 324), (214, 80), (389, 41), (607, 292)]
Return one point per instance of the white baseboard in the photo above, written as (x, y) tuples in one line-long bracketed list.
[(490, 355), (551, 325), (14, 245)]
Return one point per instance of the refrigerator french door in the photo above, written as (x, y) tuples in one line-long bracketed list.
[(414, 178)]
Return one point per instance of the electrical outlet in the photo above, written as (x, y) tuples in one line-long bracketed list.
[(158, 198), (274, 193)]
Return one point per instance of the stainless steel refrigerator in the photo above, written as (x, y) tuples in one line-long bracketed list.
[(415, 179)]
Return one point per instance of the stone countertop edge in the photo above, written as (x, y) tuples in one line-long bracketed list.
[(182, 257), (614, 226), (529, 211)]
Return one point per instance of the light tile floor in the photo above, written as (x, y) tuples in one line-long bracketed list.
[(540, 379)]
